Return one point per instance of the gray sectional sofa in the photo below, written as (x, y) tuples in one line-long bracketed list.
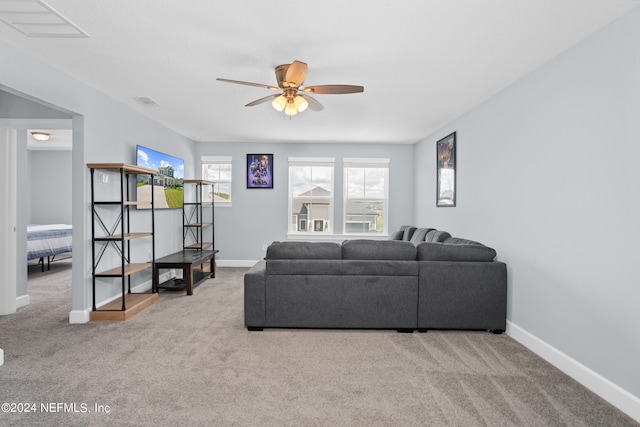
[(434, 281)]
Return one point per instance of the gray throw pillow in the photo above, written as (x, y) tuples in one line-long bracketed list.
[(396, 235), (419, 235)]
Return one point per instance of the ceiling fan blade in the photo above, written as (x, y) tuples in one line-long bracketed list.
[(336, 89), (296, 73), (248, 84), (313, 104), (262, 100)]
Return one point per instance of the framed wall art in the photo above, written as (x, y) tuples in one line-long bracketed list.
[(259, 170), (446, 170)]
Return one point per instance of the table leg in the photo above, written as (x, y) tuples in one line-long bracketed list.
[(188, 278), (156, 280), (212, 267)]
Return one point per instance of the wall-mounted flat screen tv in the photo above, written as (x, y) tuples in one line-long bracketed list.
[(168, 183)]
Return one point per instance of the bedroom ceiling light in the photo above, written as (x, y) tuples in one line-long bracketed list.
[(41, 136)]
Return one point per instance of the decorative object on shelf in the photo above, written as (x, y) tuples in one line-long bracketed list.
[(119, 238), (446, 175), (293, 98), (259, 170)]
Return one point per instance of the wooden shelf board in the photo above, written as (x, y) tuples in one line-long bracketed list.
[(128, 270), (134, 303), (128, 168), (198, 245), (127, 236)]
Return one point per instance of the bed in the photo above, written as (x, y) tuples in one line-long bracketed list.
[(47, 241)]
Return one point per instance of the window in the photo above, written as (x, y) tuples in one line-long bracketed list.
[(366, 194), (218, 170), (311, 195)]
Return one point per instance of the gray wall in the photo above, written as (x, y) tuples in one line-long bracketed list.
[(548, 175), (50, 187), (260, 216)]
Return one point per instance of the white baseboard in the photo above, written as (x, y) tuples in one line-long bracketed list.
[(235, 263), (612, 393), (23, 301)]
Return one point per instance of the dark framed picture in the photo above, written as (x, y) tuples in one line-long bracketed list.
[(446, 170), (259, 170)]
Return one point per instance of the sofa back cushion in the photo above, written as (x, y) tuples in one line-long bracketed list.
[(431, 251), (396, 250), (304, 250), (336, 267)]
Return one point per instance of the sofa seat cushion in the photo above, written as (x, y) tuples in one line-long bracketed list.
[(362, 249), (328, 267), (454, 252), (304, 250)]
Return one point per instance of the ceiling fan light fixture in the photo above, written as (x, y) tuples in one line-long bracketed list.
[(41, 136), (279, 103), (290, 109), (300, 103)]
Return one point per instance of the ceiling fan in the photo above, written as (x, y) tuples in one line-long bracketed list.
[(293, 98)]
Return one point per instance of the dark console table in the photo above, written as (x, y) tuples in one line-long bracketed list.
[(192, 264)]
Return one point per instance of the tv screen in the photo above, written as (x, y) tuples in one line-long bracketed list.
[(168, 183)]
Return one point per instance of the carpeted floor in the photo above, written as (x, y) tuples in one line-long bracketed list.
[(189, 361)]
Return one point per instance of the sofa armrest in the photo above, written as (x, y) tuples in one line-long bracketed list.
[(254, 295), (462, 295)]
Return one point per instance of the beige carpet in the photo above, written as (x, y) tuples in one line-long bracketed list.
[(189, 361)]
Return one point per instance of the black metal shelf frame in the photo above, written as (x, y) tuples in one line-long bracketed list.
[(120, 242), (192, 218)]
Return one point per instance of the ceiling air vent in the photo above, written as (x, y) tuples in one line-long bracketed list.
[(145, 100), (35, 18)]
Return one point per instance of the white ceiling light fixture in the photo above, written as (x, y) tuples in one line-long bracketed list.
[(41, 136)]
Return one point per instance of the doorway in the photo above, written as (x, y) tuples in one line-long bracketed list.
[(17, 115)]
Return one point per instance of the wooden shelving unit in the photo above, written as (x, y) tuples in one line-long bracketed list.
[(109, 238)]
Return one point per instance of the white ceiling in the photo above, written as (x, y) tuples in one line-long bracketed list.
[(422, 63)]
